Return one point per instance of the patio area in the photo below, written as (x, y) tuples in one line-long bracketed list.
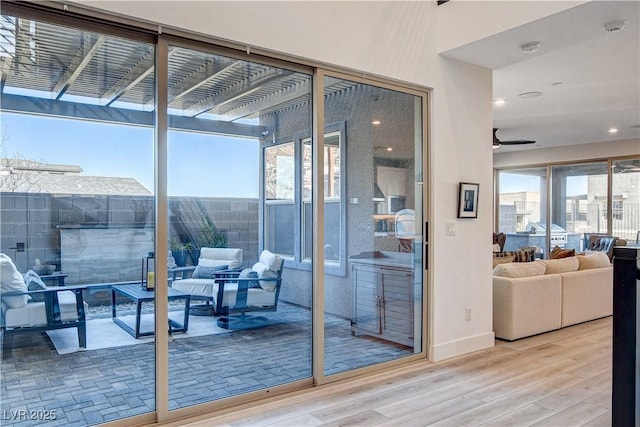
[(95, 386)]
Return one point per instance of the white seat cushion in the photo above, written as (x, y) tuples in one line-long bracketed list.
[(256, 297), (34, 313), (198, 287)]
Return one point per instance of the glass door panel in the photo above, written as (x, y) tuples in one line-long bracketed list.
[(235, 205), (579, 204), (625, 207), (522, 209), (77, 182), (373, 306)]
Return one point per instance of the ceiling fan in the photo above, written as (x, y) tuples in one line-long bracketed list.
[(497, 143)]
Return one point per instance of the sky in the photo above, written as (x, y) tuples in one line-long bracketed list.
[(199, 164), (514, 182)]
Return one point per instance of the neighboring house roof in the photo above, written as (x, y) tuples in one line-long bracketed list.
[(26, 176), (23, 165)]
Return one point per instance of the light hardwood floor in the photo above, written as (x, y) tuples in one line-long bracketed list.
[(561, 378)]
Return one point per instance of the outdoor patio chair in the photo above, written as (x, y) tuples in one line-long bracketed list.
[(37, 308), (405, 226), (253, 290), (211, 263)]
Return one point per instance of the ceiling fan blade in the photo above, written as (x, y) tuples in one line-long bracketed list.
[(497, 143), (517, 142)]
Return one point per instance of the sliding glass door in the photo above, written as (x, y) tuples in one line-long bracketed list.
[(77, 213), (169, 193), (234, 154)]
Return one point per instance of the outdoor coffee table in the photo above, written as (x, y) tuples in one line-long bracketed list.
[(138, 295)]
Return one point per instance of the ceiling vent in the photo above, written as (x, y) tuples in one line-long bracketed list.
[(615, 26)]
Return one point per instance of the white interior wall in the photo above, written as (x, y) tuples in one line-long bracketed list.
[(397, 40)]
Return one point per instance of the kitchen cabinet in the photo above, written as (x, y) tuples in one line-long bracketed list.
[(383, 303)]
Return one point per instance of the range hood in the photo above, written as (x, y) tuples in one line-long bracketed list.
[(378, 195)]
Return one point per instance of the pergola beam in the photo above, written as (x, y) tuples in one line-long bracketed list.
[(97, 113), (236, 91), (277, 98), (199, 78), (141, 71), (75, 68)]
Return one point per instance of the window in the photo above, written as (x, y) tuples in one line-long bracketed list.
[(279, 192), (283, 180)]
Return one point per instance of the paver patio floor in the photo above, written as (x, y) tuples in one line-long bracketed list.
[(95, 386)]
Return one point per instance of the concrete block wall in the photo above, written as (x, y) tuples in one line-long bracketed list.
[(35, 220)]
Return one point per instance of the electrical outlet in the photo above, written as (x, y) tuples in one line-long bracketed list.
[(467, 314)]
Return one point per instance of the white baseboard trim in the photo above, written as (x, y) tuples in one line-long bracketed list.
[(462, 346)]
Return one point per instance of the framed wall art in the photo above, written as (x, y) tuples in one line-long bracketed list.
[(468, 200)]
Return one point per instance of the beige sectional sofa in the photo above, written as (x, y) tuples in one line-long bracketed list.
[(534, 297)]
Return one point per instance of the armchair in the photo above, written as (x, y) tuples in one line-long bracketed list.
[(37, 310), (258, 291), (212, 263), (603, 243)]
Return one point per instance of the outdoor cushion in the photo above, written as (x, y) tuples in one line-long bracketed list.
[(215, 257), (202, 272), (34, 313), (271, 260), (34, 283), (255, 297), (264, 272), (248, 273), (197, 287), (11, 281)]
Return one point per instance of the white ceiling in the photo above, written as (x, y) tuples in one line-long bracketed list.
[(599, 72)]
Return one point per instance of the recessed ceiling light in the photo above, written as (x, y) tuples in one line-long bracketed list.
[(500, 101), (530, 47), (615, 26), (613, 130), (389, 148), (533, 94), (376, 122), (558, 83)]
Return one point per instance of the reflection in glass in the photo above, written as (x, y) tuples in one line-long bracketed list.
[(379, 292)]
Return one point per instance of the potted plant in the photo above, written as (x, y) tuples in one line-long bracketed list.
[(208, 237), (180, 251)]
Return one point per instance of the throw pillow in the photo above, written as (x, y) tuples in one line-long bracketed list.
[(34, 283), (202, 272), (500, 239), (558, 252), (524, 255), (12, 281), (264, 272), (248, 273)]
